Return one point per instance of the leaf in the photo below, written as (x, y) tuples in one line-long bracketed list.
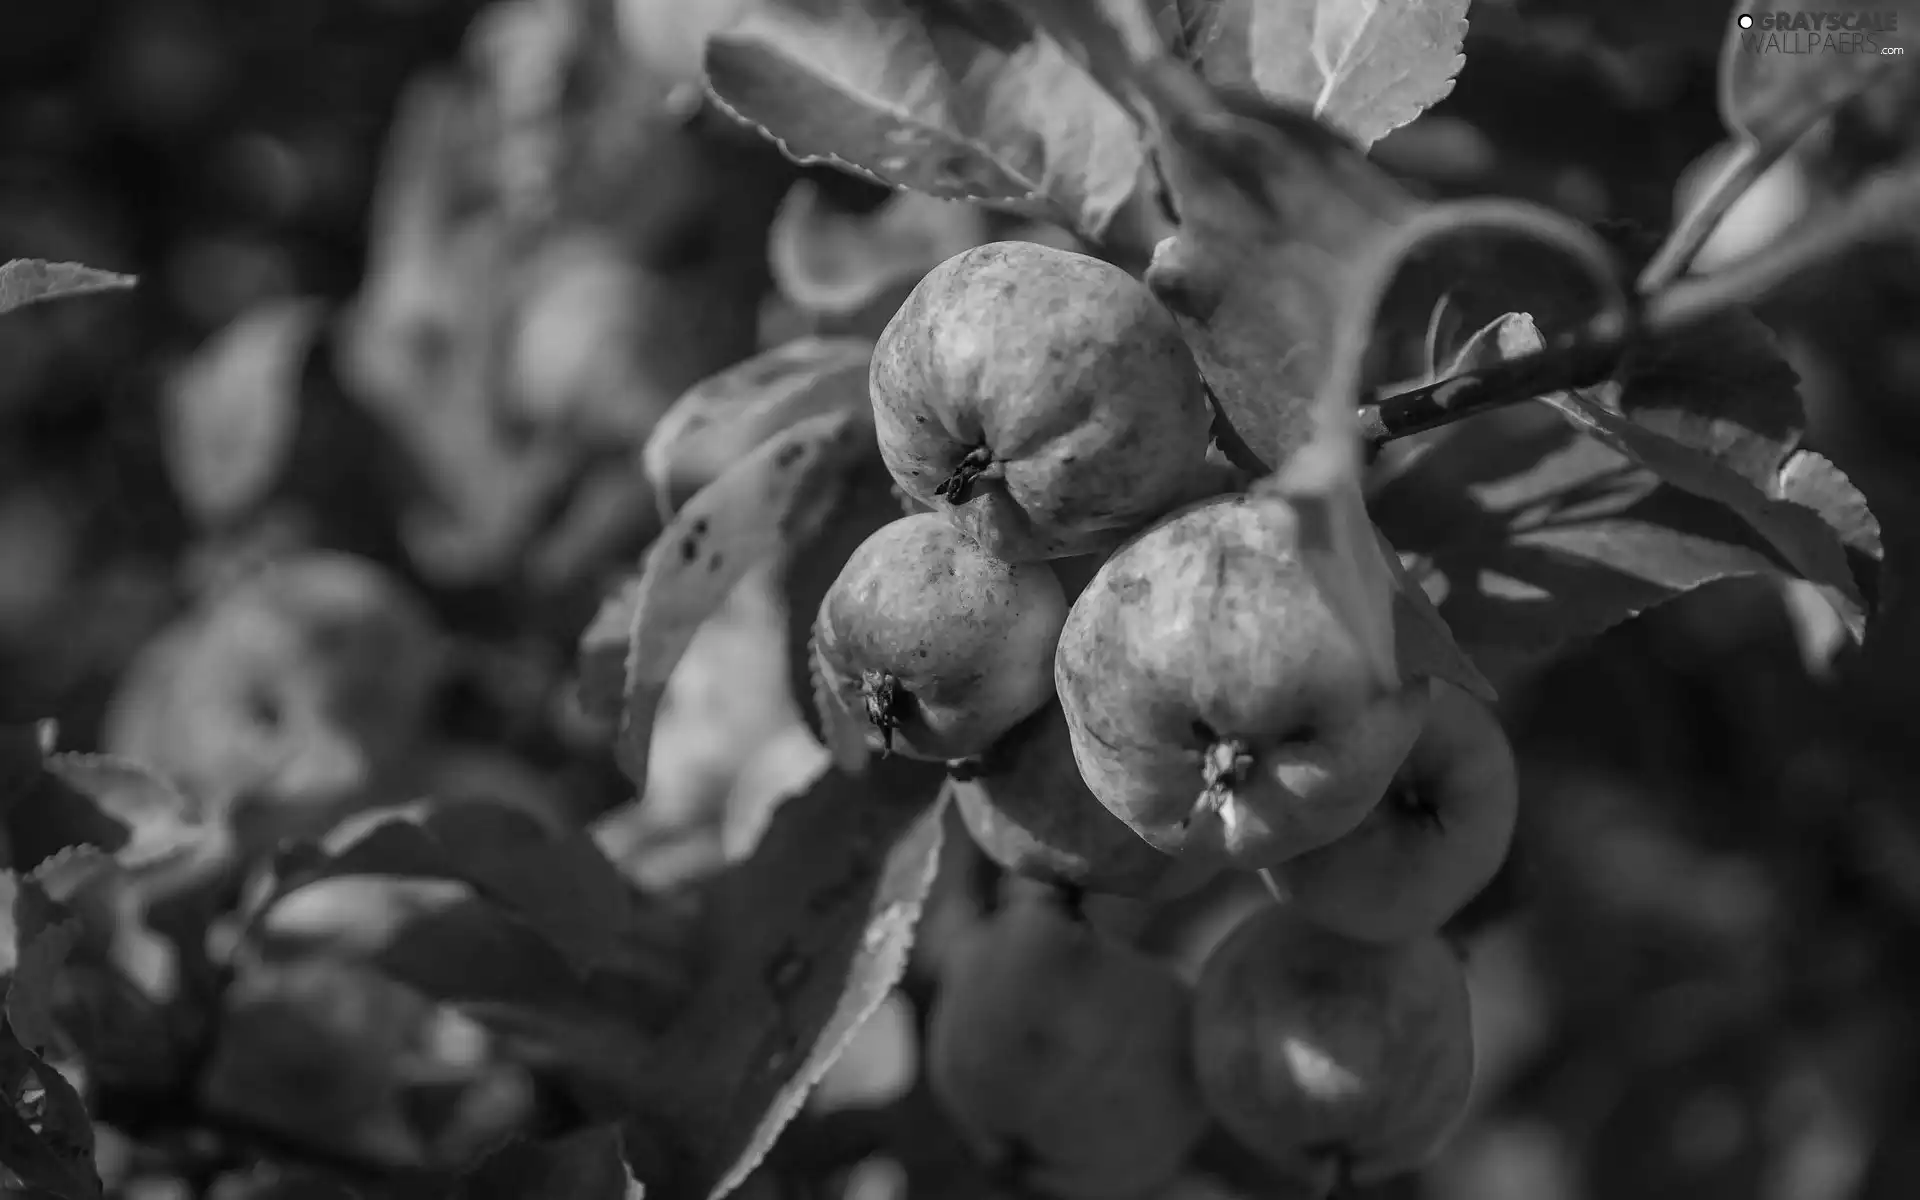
[(588, 1165), (907, 95), (38, 940), (1528, 535), (836, 263), (232, 410), (1423, 645), (1258, 295), (770, 501), (602, 656), (453, 946), (812, 932), (46, 1147), (163, 822), (1720, 420), (25, 281), (868, 501), (41, 814), (1365, 67), (560, 884), (725, 416)]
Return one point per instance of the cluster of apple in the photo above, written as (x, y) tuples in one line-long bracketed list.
[(1136, 683)]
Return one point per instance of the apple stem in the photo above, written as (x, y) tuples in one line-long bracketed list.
[(978, 464), (1224, 766), (886, 703)]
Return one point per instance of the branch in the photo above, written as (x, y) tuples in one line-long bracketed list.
[(1881, 210)]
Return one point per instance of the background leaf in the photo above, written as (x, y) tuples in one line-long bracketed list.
[(42, 814), (909, 97), (233, 409), (49, 1154), (835, 263), (38, 939), (725, 416), (25, 281), (558, 882), (768, 502), (809, 936), (162, 820), (1365, 67), (586, 1165)]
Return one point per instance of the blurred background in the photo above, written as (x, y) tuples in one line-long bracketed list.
[(417, 279)]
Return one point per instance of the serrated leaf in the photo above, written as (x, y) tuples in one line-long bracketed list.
[(25, 281), (41, 813), (232, 410), (770, 501), (812, 932), (1720, 419), (909, 96), (38, 938), (1365, 67), (163, 822), (835, 263), (48, 1153), (721, 419), (559, 883), (1529, 535), (588, 1165)]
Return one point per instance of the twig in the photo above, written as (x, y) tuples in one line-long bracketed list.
[(1882, 209), (1735, 179)]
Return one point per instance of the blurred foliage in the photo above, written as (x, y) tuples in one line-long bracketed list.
[(311, 522)]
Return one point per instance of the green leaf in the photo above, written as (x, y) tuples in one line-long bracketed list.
[(722, 418), (770, 501), (25, 281), (46, 1146), (163, 821), (588, 1165), (232, 410), (1365, 67), (809, 934), (979, 111), (559, 883), (1717, 414)]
